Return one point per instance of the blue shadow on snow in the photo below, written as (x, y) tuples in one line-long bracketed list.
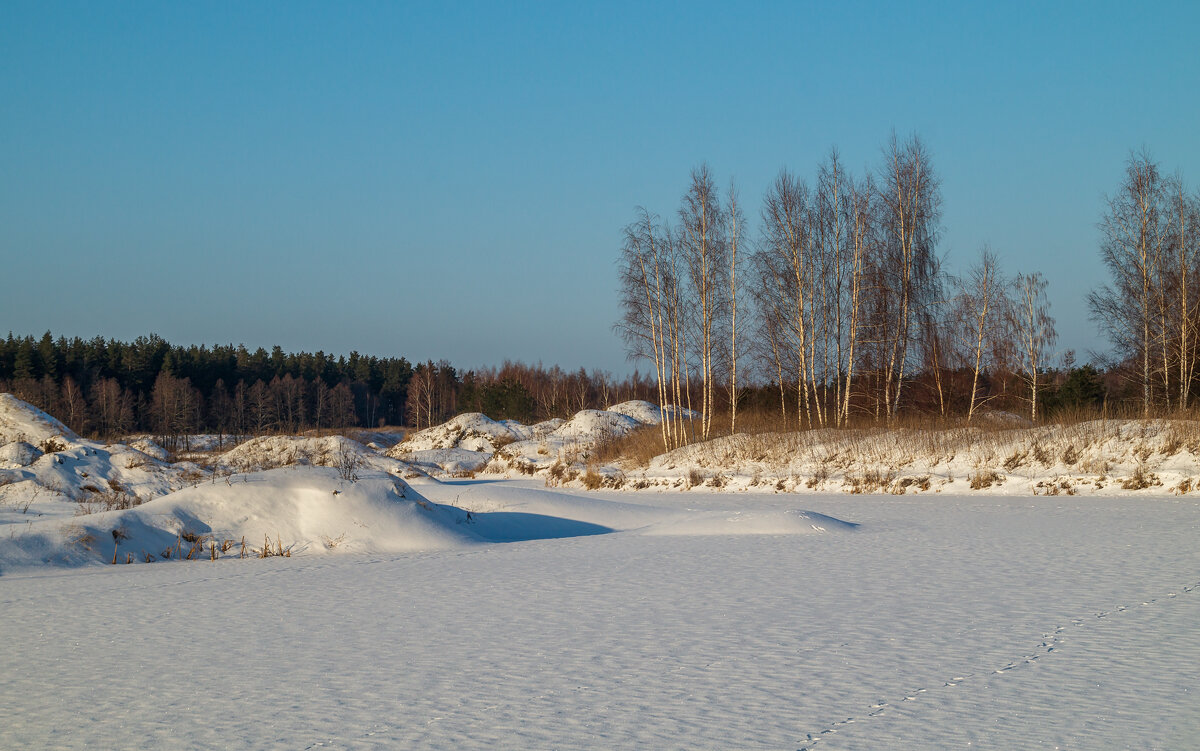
[(514, 526)]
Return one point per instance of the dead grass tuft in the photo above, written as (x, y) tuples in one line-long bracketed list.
[(592, 480), (1140, 479), (985, 479)]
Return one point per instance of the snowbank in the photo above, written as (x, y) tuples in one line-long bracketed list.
[(472, 431), (308, 510), (1099, 456), (507, 444), (269, 452)]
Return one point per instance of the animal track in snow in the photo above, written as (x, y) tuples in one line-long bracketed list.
[(1050, 643)]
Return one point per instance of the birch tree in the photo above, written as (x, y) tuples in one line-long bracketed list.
[(911, 203), (1034, 328), (977, 309), (1131, 247), (705, 254), (736, 223)]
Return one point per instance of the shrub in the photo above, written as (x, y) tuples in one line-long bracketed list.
[(347, 463), (1042, 455), (1070, 455), (52, 445)]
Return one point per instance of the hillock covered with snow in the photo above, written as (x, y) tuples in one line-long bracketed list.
[(45, 468), (473, 442)]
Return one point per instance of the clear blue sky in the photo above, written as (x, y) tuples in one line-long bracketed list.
[(450, 179)]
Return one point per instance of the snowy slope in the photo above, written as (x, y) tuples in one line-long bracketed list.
[(20, 421), (1107, 457)]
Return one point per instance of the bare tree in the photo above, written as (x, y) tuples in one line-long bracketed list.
[(647, 288), (735, 220), (705, 252), (911, 203), (1029, 314), (861, 236), (1132, 249), (1183, 240), (785, 271), (421, 396), (977, 309)]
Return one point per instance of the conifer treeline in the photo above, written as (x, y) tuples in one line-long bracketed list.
[(106, 388)]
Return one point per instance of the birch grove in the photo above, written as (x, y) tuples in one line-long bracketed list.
[(843, 309)]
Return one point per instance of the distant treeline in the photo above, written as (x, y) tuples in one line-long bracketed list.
[(104, 387)]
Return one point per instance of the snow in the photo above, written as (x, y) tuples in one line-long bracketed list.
[(648, 414), (940, 621), (416, 611), (1098, 457), (472, 431), (20, 421), (503, 445), (268, 452), (308, 510), (47, 470)]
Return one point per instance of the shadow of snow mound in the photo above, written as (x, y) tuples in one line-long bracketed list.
[(518, 526)]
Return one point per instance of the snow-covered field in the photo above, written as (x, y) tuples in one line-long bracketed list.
[(938, 622), (419, 611)]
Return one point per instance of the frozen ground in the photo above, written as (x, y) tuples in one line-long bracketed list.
[(941, 621)]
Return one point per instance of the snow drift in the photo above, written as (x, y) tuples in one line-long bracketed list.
[(297, 510)]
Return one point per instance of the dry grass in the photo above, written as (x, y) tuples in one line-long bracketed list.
[(592, 480), (1140, 479), (870, 481), (985, 479), (870, 456), (635, 449)]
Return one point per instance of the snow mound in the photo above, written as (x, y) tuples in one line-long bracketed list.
[(150, 448), (21, 421), (269, 452), (546, 427), (648, 413), (592, 425), (49, 470), (507, 512), (502, 445), (472, 431), (571, 442), (309, 510)]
